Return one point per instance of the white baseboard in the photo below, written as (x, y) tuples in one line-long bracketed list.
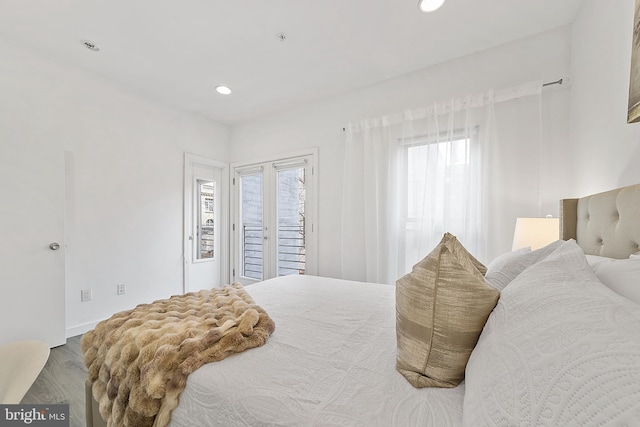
[(81, 329)]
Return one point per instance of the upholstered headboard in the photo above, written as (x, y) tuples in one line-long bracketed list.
[(605, 224)]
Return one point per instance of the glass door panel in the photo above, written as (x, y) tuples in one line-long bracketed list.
[(206, 220), (291, 194), (251, 225)]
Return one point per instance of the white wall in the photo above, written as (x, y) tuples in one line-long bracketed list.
[(124, 153), (606, 148), (124, 174), (544, 57), (591, 147)]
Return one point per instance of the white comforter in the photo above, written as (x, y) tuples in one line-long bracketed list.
[(330, 362), (559, 349)]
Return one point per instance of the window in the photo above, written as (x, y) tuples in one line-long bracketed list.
[(438, 178)]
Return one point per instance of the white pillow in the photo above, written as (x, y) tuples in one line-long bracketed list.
[(620, 275), (500, 261), (595, 260), (559, 349), (508, 268)]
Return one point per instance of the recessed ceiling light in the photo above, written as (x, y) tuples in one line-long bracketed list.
[(90, 45), (223, 90), (430, 5)]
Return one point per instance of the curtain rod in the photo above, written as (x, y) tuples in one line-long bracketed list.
[(557, 82)]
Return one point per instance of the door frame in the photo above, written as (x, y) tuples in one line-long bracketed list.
[(189, 161), (269, 202)]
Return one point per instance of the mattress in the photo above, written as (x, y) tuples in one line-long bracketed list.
[(330, 361)]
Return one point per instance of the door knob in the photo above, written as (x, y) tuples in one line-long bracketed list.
[(54, 246)]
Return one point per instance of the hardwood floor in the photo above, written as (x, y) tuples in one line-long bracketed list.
[(62, 381)]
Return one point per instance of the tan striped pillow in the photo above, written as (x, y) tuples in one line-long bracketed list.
[(441, 308)]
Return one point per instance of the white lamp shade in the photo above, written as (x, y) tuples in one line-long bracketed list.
[(535, 232)]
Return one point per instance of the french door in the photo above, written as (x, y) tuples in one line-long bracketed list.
[(274, 215)]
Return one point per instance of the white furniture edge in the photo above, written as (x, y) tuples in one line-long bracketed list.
[(20, 365)]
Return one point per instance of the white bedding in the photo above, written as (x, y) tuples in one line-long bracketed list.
[(559, 349), (330, 361)]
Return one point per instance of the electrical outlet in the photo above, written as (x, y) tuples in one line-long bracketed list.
[(85, 295), (120, 289)]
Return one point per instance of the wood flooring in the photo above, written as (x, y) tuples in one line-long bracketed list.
[(62, 381)]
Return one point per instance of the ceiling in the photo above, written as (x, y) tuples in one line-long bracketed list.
[(176, 52)]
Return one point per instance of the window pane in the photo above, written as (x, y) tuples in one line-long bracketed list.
[(291, 221), (438, 178), (251, 225), (206, 219), (433, 170)]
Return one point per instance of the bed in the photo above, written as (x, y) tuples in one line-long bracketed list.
[(560, 347)]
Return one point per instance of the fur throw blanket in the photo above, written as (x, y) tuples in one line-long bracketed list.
[(139, 359)]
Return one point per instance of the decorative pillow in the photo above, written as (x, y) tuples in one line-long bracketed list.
[(500, 276), (441, 308), (559, 349), (621, 276)]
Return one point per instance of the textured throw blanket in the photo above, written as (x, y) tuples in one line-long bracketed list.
[(139, 359)]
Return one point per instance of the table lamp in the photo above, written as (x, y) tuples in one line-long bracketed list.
[(535, 232)]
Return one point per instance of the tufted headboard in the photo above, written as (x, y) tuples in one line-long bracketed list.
[(605, 224)]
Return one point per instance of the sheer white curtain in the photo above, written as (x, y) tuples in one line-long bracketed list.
[(412, 177)]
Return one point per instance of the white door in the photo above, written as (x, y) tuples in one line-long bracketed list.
[(32, 289), (274, 213), (206, 207)]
